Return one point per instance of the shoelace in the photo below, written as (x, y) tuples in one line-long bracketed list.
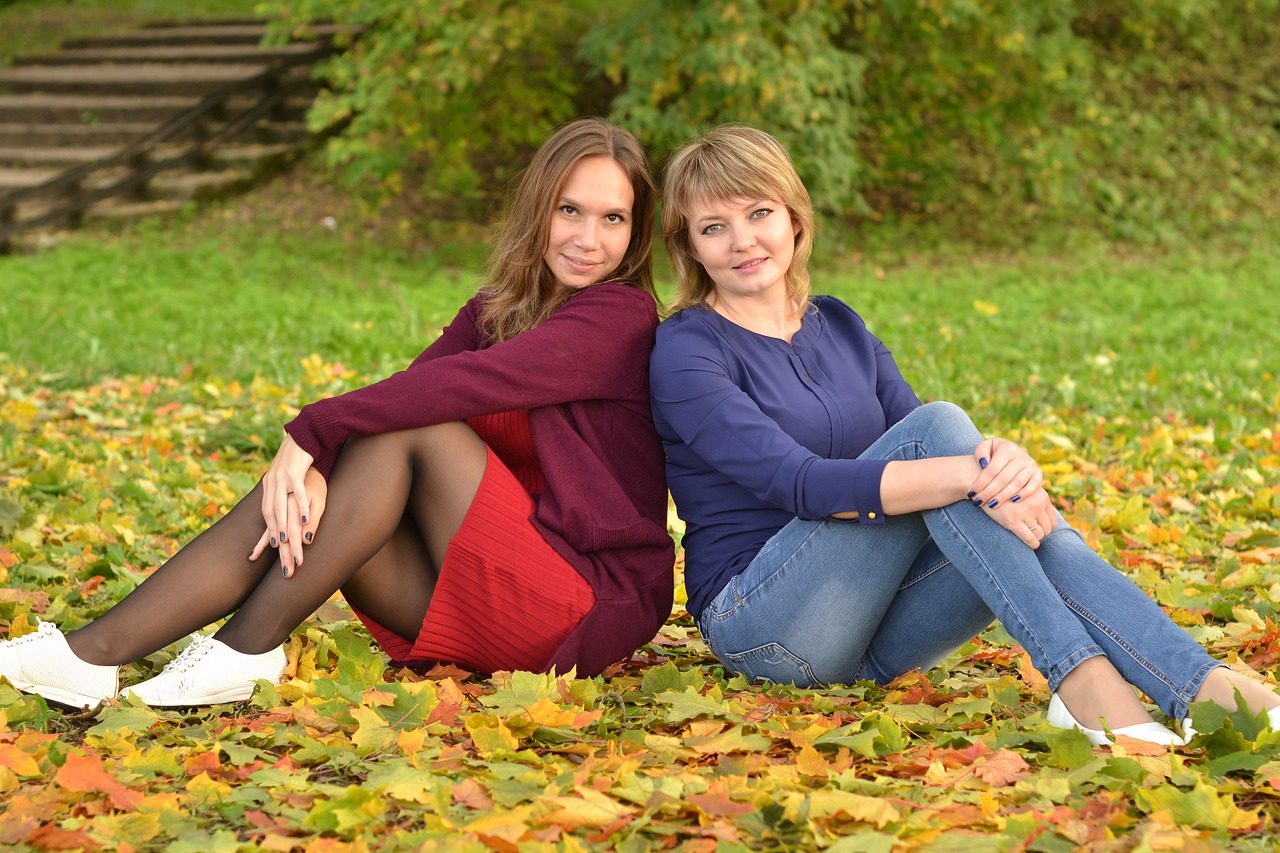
[(45, 629), (190, 656)]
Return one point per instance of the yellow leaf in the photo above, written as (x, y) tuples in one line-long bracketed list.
[(205, 791), (589, 808), (860, 807), (510, 825), (544, 712), (490, 736), (811, 763), (12, 758), (986, 309)]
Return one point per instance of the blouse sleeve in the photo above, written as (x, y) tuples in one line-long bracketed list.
[(694, 393), (594, 347)]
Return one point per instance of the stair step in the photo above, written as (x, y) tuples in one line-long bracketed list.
[(144, 78), (39, 108), (192, 54), (241, 33), (106, 133), (21, 179), (116, 209), (58, 158)]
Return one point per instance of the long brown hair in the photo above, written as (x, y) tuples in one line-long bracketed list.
[(521, 291), (730, 162)]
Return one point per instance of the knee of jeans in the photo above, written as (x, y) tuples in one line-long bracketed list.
[(952, 426), (772, 663)]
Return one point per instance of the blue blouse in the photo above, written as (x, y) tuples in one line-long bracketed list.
[(758, 431)]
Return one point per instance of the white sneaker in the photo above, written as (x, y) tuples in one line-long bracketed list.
[(1153, 732), (43, 663), (209, 672)]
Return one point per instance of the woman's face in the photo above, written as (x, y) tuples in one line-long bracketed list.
[(590, 225), (745, 245)]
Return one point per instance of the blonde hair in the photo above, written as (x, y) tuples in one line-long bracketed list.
[(726, 163), (521, 291)]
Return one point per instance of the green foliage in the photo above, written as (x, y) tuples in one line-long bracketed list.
[(969, 101), (1151, 120), (771, 63), (449, 96)]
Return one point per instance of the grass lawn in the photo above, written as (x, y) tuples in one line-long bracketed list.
[(144, 376)]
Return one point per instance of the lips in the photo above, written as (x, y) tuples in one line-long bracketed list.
[(579, 264), (747, 266)]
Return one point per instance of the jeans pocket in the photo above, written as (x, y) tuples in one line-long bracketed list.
[(772, 662)]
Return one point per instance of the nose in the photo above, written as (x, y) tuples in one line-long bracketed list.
[(587, 234), (743, 238)]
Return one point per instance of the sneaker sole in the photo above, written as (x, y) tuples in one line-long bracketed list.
[(239, 694), (78, 701), (17, 685)]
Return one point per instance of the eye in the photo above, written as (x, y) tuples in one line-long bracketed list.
[(568, 210), (616, 218), (761, 213), (713, 228)]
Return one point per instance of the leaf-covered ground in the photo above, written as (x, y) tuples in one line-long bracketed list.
[(99, 483)]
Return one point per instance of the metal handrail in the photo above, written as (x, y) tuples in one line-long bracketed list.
[(139, 154)]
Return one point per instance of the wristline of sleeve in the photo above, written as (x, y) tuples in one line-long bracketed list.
[(302, 430), (867, 492)]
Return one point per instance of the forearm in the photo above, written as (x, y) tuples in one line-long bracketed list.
[(911, 486)]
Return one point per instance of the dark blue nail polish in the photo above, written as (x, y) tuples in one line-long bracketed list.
[(273, 541), (982, 463), (284, 570), (307, 536), (994, 503), (304, 519), (284, 537), (296, 562), (1015, 499), (971, 494), (977, 501)]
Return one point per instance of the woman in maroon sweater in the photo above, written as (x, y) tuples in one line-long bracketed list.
[(499, 504)]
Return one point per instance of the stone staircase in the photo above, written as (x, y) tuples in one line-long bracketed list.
[(147, 121)]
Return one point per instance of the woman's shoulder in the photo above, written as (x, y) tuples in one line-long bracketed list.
[(616, 296), (687, 324)]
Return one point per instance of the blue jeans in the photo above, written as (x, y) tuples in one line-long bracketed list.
[(833, 602)]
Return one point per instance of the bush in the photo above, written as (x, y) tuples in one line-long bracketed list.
[(1147, 118), (774, 64), (449, 97)]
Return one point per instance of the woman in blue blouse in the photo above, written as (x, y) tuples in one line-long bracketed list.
[(837, 529)]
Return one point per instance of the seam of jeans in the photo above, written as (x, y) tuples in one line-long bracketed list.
[(933, 570), (1179, 693), (992, 577), (739, 597)]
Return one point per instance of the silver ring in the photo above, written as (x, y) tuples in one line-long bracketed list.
[(1035, 527)]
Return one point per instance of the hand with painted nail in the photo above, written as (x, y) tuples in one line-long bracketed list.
[(286, 477), (303, 527), (1007, 474)]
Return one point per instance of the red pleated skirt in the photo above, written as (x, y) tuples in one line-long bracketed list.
[(505, 599)]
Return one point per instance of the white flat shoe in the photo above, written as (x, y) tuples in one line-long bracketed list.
[(209, 672), (1153, 732), (43, 663)]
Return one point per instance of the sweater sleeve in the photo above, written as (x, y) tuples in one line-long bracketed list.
[(695, 394), (585, 351)]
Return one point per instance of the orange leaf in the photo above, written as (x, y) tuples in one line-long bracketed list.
[(84, 773), (719, 805), (18, 761), (1003, 767), (49, 837), (471, 794)]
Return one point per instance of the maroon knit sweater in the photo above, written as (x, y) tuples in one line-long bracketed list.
[(584, 377)]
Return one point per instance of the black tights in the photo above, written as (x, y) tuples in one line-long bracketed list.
[(395, 501)]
